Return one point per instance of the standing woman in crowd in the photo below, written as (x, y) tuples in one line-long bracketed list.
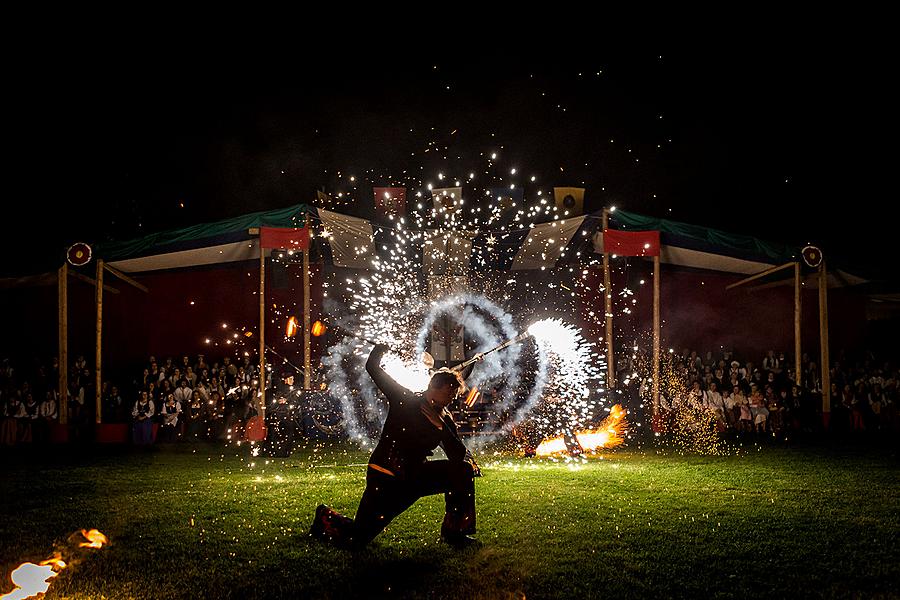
[(142, 428), (170, 412), (12, 412), (49, 413)]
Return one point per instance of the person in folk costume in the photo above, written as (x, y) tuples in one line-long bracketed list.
[(142, 427), (13, 411), (49, 413), (281, 425), (26, 424), (399, 473), (171, 417)]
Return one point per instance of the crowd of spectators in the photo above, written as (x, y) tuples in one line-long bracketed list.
[(190, 399), (168, 401), (768, 397)]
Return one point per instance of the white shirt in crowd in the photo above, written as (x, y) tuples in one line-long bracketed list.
[(150, 410), (48, 409), (170, 418), (183, 395)]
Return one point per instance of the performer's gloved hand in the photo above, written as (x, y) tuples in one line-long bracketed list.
[(470, 458), (381, 349)]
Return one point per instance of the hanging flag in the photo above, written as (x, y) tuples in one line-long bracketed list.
[(288, 238), (350, 239), (569, 201), (447, 200), (546, 243), (390, 201), (631, 243)]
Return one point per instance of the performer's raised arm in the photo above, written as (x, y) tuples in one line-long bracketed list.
[(390, 388)]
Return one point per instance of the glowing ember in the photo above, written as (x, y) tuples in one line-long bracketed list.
[(94, 538), (30, 579)]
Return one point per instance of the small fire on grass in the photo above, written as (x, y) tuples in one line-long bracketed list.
[(32, 580), (609, 434)]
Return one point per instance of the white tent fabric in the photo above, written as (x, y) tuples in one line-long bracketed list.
[(546, 243), (209, 255), (350, 238)]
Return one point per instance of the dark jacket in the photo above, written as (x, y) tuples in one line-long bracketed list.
[(408, 437)]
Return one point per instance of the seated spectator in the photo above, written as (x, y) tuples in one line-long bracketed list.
[(49, 413), (713, 401), (26, 423), (758, 409)]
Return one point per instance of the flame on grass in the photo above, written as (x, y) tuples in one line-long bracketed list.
[(32, 580)]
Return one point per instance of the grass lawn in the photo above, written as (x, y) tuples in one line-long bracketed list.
[(195, 521)]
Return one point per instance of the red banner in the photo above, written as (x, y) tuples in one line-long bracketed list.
[(390, 200), (284, 238), (631, 243)]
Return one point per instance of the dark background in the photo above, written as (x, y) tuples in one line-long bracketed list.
[(776, 136)]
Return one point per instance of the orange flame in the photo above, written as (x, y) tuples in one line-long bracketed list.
[(472, 398), (550, 446), (608, 435), (33, 580), (292, 327), (318, 328), (94, 538)]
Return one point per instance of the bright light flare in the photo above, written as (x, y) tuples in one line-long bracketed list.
[(412, 376), (30, 579), (551, 446)]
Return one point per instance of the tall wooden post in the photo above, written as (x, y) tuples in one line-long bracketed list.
[(824, 370), (98, 375), (655, 386), (261, 399), (63, 289), (307, 374), (607, 305), (797, 317)]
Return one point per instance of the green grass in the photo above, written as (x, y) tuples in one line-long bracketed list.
[(189, 522)]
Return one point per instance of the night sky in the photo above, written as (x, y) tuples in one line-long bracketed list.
[(777, 140)]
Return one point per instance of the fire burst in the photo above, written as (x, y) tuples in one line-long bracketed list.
[(609, 434), (31, 580)]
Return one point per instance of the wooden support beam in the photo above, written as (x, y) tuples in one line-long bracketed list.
[(759, 275), (607, 304), (63, 290), (98, 357), (91, 281), (127, 279)]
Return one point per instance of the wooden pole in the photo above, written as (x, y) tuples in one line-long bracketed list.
[(261, 402), (655, 387), (307, 374), (607, 304), (797, 317), (62, 285), (98, 381), (126, 278), (824, 371)]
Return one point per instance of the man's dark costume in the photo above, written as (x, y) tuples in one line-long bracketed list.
[(399, 472)]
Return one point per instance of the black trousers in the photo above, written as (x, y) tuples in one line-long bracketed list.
[(387, 496)]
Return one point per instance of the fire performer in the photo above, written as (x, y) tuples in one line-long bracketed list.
[(399, 473)]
